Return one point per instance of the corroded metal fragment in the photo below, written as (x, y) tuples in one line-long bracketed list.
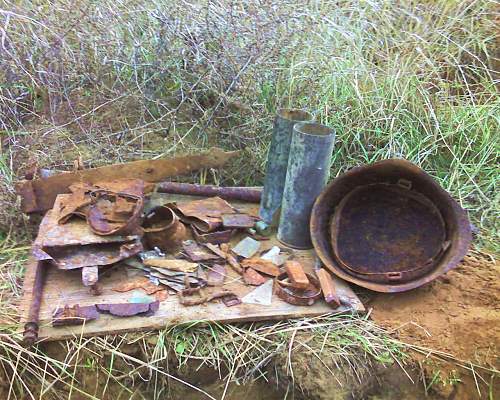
[(163, 229), (252, 277), (39, 195), (74, 245), (216, 275), (247, 194), (299, 297), (76, 315), (239, 221), (204, 214), (129, 309), (215, 237), (263, 266), (197, 253)]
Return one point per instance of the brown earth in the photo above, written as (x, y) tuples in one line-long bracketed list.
[(458, 314)]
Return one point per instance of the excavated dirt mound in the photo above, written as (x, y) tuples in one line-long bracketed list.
[(458, 313)]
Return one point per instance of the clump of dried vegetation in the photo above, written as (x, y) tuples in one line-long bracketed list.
[(117, 80)]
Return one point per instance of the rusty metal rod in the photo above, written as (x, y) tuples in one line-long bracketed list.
[(30, 334), (252, 195)]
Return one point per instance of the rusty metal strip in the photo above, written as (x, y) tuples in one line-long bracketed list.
[(298, 297), (251, 195), (39, 195), (36, 275)]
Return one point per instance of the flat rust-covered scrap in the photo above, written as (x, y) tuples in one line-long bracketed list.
[(204, 214), (39, 195), (110, 208), (74, 245), (76, 315)]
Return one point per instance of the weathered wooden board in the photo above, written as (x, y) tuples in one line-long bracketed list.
[(63, 287)]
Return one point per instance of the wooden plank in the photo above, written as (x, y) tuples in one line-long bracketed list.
[(64, 287), (39, 195)]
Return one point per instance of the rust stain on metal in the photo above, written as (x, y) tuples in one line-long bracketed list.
[(163, 229), (251, 195), (391, 212), (137, 283), (264, 266), (215, 237), (129, 309), (252, 277), (328, 287), (197, 253), (110, 208), (74, 245), (39, 195), (296, 274), (299, 297), (76, 315), (387, 233), (239, 221), (204, 214)]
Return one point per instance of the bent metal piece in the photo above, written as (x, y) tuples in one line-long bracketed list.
[(306, 176), (247, 194), (163, 229), (74, 245), (39, 195), (277, 162), (298, 297), (395, 174)]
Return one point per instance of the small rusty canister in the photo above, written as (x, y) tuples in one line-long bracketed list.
[(163, 229), (277, 162), (307, 174)]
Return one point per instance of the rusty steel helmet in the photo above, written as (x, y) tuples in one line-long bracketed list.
[(388, 227)]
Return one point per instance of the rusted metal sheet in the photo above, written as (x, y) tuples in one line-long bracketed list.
[(163, 229), (204, 214), (129, 309), (39, 195), (137, 283), (76, 315), (239, 221), (252, 277), (216, 275), (197, 253), (299, 297), (74, 245), (263, 266), (110, 208), (215, 237), (411, 213), (250, 195), (296, 274)]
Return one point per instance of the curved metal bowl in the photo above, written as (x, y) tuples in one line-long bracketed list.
[(453, 246)]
